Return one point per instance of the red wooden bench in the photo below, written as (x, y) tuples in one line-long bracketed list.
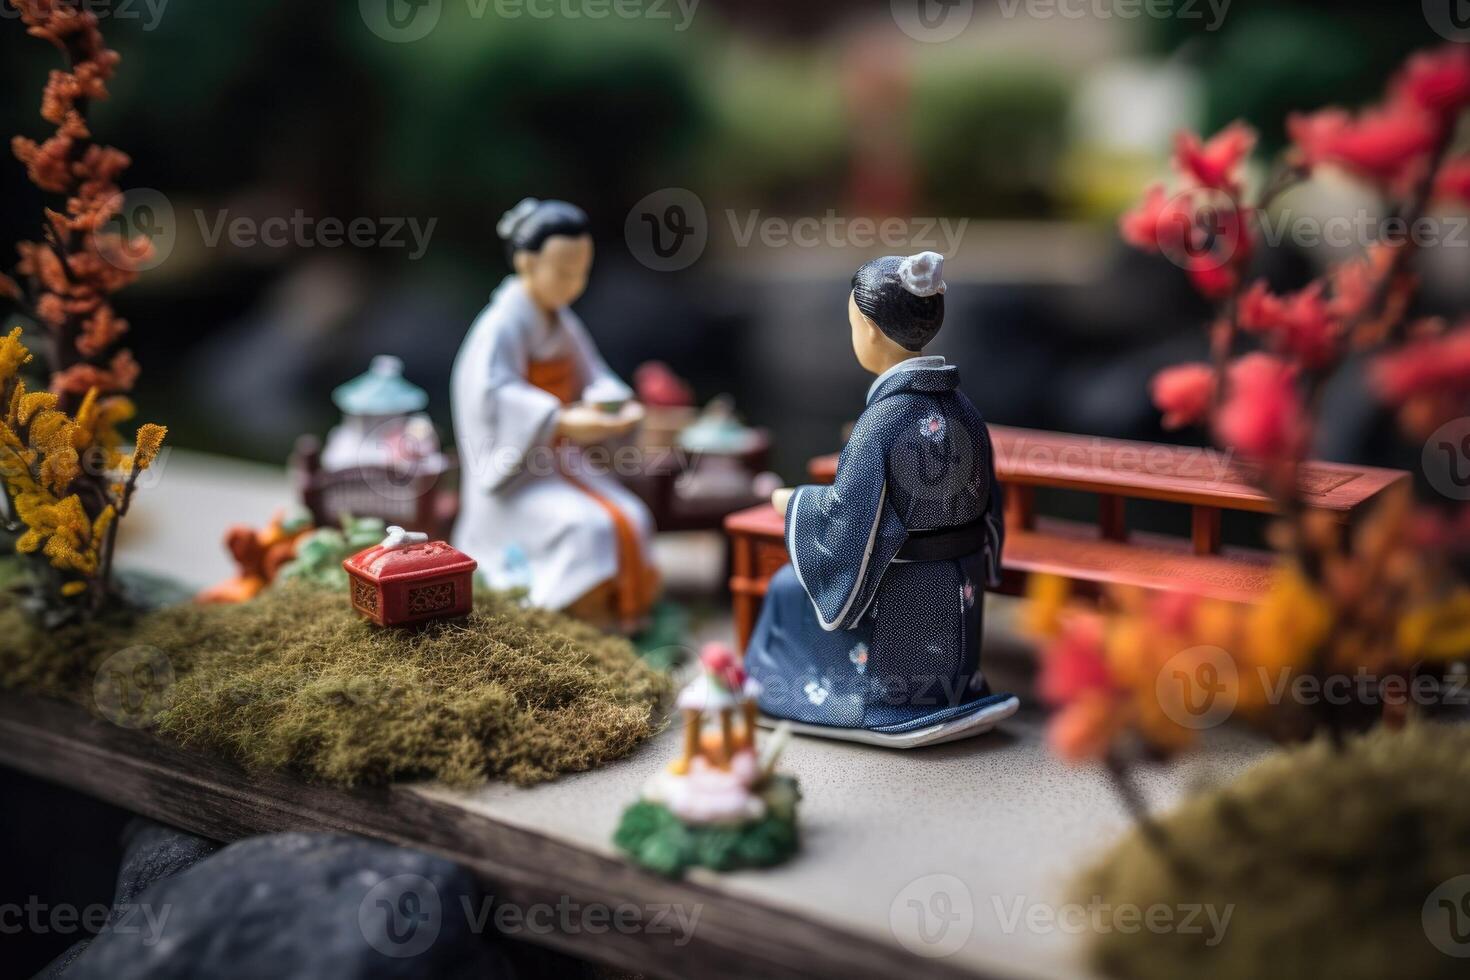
[(1091, 555)]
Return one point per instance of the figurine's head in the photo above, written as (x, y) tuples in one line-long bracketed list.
[(896, 307), (550, 247)]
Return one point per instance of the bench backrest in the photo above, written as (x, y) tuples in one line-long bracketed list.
[(1208, 480)]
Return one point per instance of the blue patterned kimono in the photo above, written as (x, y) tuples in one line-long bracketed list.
[(876, 623)]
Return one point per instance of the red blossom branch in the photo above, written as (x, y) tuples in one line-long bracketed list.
[(65, 281)]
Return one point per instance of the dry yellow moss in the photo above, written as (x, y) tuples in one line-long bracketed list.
[(294, 680), (1325, 860)]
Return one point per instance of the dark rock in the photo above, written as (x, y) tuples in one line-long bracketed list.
[(153, 852), (295, 905)]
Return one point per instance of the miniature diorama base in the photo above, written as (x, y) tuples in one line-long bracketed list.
[(1326, 859), (655, 837), (977, 722), (294, 680)]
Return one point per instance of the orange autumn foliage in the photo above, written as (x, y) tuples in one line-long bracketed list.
[(66, 478)]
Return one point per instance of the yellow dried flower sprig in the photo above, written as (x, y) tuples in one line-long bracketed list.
[(41, 453)]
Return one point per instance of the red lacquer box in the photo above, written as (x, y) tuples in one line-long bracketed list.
[(411, 583)]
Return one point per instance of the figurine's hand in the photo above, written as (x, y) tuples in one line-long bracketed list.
[(781, 499), (629, 418), (587, 426)]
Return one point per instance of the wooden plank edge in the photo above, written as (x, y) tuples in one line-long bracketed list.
[(734, 937)]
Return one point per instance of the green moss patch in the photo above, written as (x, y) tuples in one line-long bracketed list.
[(1325, 860), (654, 838), (294, 680)]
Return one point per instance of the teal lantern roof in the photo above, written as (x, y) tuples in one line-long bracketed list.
[(381, 391)]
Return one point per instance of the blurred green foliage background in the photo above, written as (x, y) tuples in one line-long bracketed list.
[(268, 107)]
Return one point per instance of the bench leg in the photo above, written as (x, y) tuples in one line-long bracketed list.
[(742, 603), (1111, 517), (1020, 507), (1205, 530)]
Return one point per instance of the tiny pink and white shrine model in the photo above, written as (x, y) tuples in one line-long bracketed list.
[(720, 804)]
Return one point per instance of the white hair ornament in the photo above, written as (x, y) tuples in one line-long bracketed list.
[(512, 218), (923, 274)]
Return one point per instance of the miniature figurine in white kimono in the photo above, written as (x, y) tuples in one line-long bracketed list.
[(872, 633), (531, 397)]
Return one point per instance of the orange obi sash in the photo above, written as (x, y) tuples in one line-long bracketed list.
[(635, 583), (557, 377)]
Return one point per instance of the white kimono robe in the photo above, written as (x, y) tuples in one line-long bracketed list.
[(516, 509)]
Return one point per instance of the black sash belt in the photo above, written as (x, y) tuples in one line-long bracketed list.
[(945, 543)]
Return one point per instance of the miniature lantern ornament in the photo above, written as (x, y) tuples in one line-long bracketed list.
[(408, 579), (382, 422)]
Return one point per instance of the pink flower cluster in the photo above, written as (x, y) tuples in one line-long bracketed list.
[(1391, 143), (1201, 225), (1428, 379), (1205, 227)]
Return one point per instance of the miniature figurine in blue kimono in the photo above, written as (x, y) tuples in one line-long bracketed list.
[(872, 633)]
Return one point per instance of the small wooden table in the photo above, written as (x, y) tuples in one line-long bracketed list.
[(1208, 481)]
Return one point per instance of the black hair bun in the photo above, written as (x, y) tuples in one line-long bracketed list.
[(903, 296), (527, 226)]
